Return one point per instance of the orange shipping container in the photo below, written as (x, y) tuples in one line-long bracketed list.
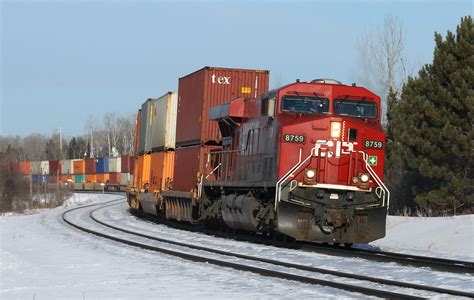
[(25, 168), (102, 178), (161, 170), (79, 166), (90, 178), (66, 177), (141, 177)]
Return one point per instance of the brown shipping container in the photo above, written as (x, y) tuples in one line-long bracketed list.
[(142, 171), (205, 88), (132, 165), (79, 166), (114, 178), (188, 162), (90, 165), (54, 167), (15, 168), (125, 163), (161, 170)]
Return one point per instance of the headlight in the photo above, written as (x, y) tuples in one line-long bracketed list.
[(364, 178), (310, 173), (335, 129)]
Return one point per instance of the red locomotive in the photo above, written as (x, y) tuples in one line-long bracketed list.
[(304, 160)]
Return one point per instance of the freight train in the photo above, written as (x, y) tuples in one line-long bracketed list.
[(94, 174), (303, 161)]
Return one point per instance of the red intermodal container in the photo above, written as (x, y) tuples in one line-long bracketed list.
[(90, 165), (54, 167), (188, 166), (125, 163), (114, 178), (25, 168), (205, 88)]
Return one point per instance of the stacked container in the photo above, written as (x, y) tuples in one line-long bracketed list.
[(115, 168), (79, 171), (102, 169), (67, 170), (196, 135), (127, 165), (54, 171), (40, 171), (90, 170)]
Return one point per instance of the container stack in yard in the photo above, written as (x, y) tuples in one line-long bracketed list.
[(90, 170), (102, 169), (79, 166), (196, 135), (127, 164), (54, 171), (67, 170), (40, 171), (115, 169)]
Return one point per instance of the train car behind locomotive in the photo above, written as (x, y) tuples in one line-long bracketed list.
[(305, 160)]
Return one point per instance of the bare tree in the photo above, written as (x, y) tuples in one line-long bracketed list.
[(382, 61)]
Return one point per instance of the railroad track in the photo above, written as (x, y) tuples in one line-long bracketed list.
[(440, 264), (434, 263), (126, 234)]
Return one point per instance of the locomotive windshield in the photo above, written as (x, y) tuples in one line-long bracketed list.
[(304, 104), (355, 108)]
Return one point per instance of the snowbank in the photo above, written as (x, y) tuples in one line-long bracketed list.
[(448, 235)]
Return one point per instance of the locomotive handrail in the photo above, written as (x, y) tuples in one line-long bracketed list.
[(378, 181), (288, 174)]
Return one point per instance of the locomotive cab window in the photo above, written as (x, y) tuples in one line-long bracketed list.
[(355, 108), (305, 105)]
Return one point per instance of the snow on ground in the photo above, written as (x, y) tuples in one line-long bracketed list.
[(452, 236), (43, 258)]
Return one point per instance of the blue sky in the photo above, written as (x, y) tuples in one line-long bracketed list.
[(62, 61)]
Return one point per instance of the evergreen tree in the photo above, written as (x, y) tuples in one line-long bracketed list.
[(432, 124)]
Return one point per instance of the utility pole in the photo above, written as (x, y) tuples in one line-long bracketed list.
[(60, 143)]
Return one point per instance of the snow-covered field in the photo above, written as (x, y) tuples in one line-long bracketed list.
[(43, 258)]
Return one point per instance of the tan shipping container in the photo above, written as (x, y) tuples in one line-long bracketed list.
[(163, 123), (161, 170), (115, 165), (67, 166)]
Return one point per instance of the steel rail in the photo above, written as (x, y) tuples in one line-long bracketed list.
[(442, 264), (240, 267), (286, 264)]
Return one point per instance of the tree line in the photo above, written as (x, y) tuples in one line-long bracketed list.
[(113, 136), (430, 137)]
